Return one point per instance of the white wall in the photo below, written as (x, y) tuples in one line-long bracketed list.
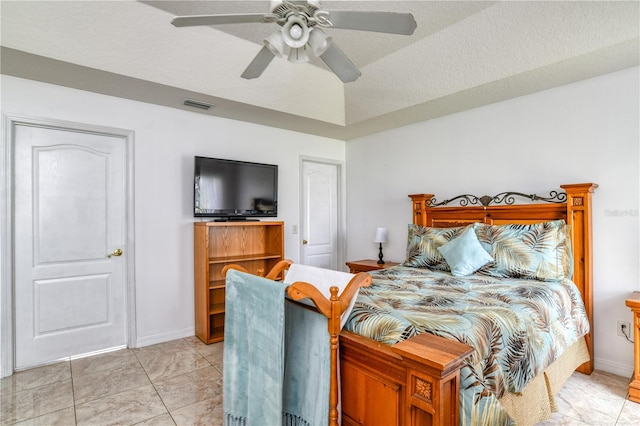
[(166, 141), (583, 132)]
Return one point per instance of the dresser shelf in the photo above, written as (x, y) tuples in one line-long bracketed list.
[(257, 246)]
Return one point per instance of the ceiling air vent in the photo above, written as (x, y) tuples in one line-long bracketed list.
[(197, 104)]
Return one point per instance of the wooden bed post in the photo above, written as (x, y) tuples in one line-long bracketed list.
[(579, 217), (331, 308), (419, 204), (334, 331)]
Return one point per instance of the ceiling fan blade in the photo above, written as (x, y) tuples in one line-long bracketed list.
[(259, 63), (340, 64), (381, 22), (195, 20)]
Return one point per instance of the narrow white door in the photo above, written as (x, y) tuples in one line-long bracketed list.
[(69, 217), (320, 212)]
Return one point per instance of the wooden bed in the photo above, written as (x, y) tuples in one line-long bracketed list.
[(416, 382)]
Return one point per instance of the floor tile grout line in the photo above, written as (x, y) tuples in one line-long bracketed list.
[(73, 395), (182, 373), (75, 405), (192, 347), (104, 396), (626, 399), (15, 392), (155, 389)]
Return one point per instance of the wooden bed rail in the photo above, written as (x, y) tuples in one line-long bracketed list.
[(331, 308)]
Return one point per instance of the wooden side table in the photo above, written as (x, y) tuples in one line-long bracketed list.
[(367, 265), (633, 302)]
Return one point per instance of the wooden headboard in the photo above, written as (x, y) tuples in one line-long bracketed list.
[(572, 206)]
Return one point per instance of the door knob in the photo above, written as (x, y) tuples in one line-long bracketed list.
[(304, 241), (116, 252)]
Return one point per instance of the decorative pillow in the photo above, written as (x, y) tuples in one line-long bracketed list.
[(465, 254), (539, 251), (423, 243)]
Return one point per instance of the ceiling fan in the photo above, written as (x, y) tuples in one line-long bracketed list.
[(302, 33)]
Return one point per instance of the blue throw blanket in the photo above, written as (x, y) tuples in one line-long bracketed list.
[(276, 357), (307, 368)]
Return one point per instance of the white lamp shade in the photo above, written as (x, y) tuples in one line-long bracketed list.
[(298, 55), (295, 32), (318, 41), (275, 44), (381, 235)]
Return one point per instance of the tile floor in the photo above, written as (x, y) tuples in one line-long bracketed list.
[(180, 383)]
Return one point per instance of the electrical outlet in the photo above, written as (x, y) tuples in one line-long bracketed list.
[(624, 326)]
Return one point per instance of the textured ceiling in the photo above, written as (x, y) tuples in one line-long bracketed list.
[(462, 55)]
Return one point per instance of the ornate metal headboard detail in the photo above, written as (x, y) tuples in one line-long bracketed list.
[(506, 198)]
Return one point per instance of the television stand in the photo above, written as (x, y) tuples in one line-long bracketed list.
[(256, 246)]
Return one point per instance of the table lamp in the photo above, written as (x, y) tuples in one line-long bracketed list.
[(381, 237)]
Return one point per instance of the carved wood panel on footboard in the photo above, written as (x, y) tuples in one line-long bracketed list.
[(415, 382)]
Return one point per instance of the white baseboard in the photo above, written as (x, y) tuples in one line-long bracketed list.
[(143, 341), (612, 367)]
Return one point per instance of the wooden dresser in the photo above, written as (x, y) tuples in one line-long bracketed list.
[(633, 302)]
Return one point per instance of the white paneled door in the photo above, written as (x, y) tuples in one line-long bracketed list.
[(320, 207), (69, 243)]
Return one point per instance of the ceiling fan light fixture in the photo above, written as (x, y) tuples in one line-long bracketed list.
[(295, 32), (319, 41), (301, 35), (299, 55), (275, 43)]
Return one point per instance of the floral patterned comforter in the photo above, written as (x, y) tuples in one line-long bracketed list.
[(517, 327)]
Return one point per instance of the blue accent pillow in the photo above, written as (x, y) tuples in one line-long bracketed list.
[(465, 254)]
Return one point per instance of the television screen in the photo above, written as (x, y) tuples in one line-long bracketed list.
[(234, 189)]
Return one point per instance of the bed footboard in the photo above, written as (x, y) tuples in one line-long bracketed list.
[(415, 382)]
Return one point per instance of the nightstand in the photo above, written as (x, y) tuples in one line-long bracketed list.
[(367, 265), (633, 302)]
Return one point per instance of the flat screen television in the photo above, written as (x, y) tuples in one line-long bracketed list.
[(234, 190)]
